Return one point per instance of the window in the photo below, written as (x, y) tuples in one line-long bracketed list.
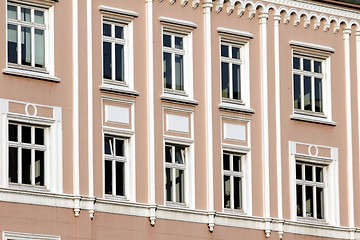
[(27, 154), (115, 165), (175, 170), (27, 33), (231, 68), (173, 61), (233, 181), (308, 80), (310, 188)]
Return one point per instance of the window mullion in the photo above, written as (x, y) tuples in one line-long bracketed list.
[(113, 166)]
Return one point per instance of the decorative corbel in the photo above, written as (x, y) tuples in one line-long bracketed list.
[(336, 28), (326, 27), (316, 25), (307, 23), (218, 8), (252, 14), (195, 4), (267, 227), (172, 1), (184, 2), (152, 214), (77, 200), (286, 19), (240, 11), (296, 22)]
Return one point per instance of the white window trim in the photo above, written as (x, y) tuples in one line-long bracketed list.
[(331, 191), (321, 53), (125, 19), (182, 28), (189, 189), (53, 168), (242, 40), (27, 236), (130, 164), (48, 73), (247, 180)]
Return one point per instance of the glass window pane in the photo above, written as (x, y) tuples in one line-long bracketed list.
[(299, 201), (13, 164), (307, 93), (237, 193), (120, 147), (179, 42), (236, 82), (25, 46), (318, 95), (26, 166), (26, 134), (108, 142), (12, 44), (39, 136), (309, 201), (317, 67), (39, 168), (308, 173), (319, 203), (298, 171), (25, 14), (168, 185), (119, 32), (39, 16), (224, 51), (179, 184), (236, 163), (167, 70), (226, 162), (179, 155), (179, 72), (120, 179), (13, 132), (225, 80), (12, 12), (168, 154), (296, 63), (108, 177), (297, 92), (107, 30), (227, 192), (39, 48), (107, 66), (166, 40), (319, 174), (235, 52), (307, 65), (119, 62)]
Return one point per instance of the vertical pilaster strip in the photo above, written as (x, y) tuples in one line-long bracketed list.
[(207, 5), (76, 138), (151, 111), (346, 37), (265, 120), (90, 106)]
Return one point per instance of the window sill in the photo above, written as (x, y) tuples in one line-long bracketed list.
[(235, 107), (312, 221), (179, 99), (233, 212), (115, 198), (30, 74), (29, 188), (313, 119), (176, 205), (119, 90)]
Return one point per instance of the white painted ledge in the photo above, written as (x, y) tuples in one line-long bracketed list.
[(119, 90), (179, 99), (178, 22), (312, 119), (30, 74), (235, 108)]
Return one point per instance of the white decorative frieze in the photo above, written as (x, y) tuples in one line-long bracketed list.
[(235, 132), (177, 123), (116, 114)]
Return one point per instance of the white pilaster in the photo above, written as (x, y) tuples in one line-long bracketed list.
[(346, 37), (207, 5), (265, 120), (75, 59), (151, 125), (277, 19)]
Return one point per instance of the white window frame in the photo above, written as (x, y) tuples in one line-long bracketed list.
[(245, 154), (331, 181), (129, 168), (53, 169), (183, 29), (27, 236), (314, 53), (48, 72), (124, 18)]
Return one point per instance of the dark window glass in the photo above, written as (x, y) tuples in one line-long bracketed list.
[(119, 32), (39, 48), (320, 203), (236, 81), (179, 184), (12, 12), (235, 52), (318, 95), (168, 154), (179, 42), (119, 62), (120, 177), (227, 192), (224, 51), (120, 148), (179, 155), (12, 44), (308, 173), (297, 92), (309, 201), (319, 174), (166, 40), (168, 184), (307, 65), (25, 14), (108, 145), (107, 67), (298, 171), (299, 201), (236, 163), (167, 70), (25, 46), (307, 93), (39, 168), (107, 30), (39, 16), (26, 166), (226, 162), (225, 80), (26, 134), (296, 63), (13, 164), (13, 132), (179, 72), (237, 193), (317, 67), (108, 177), (39, 136)]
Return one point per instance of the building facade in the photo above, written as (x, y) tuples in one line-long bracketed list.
[(187, 119)]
